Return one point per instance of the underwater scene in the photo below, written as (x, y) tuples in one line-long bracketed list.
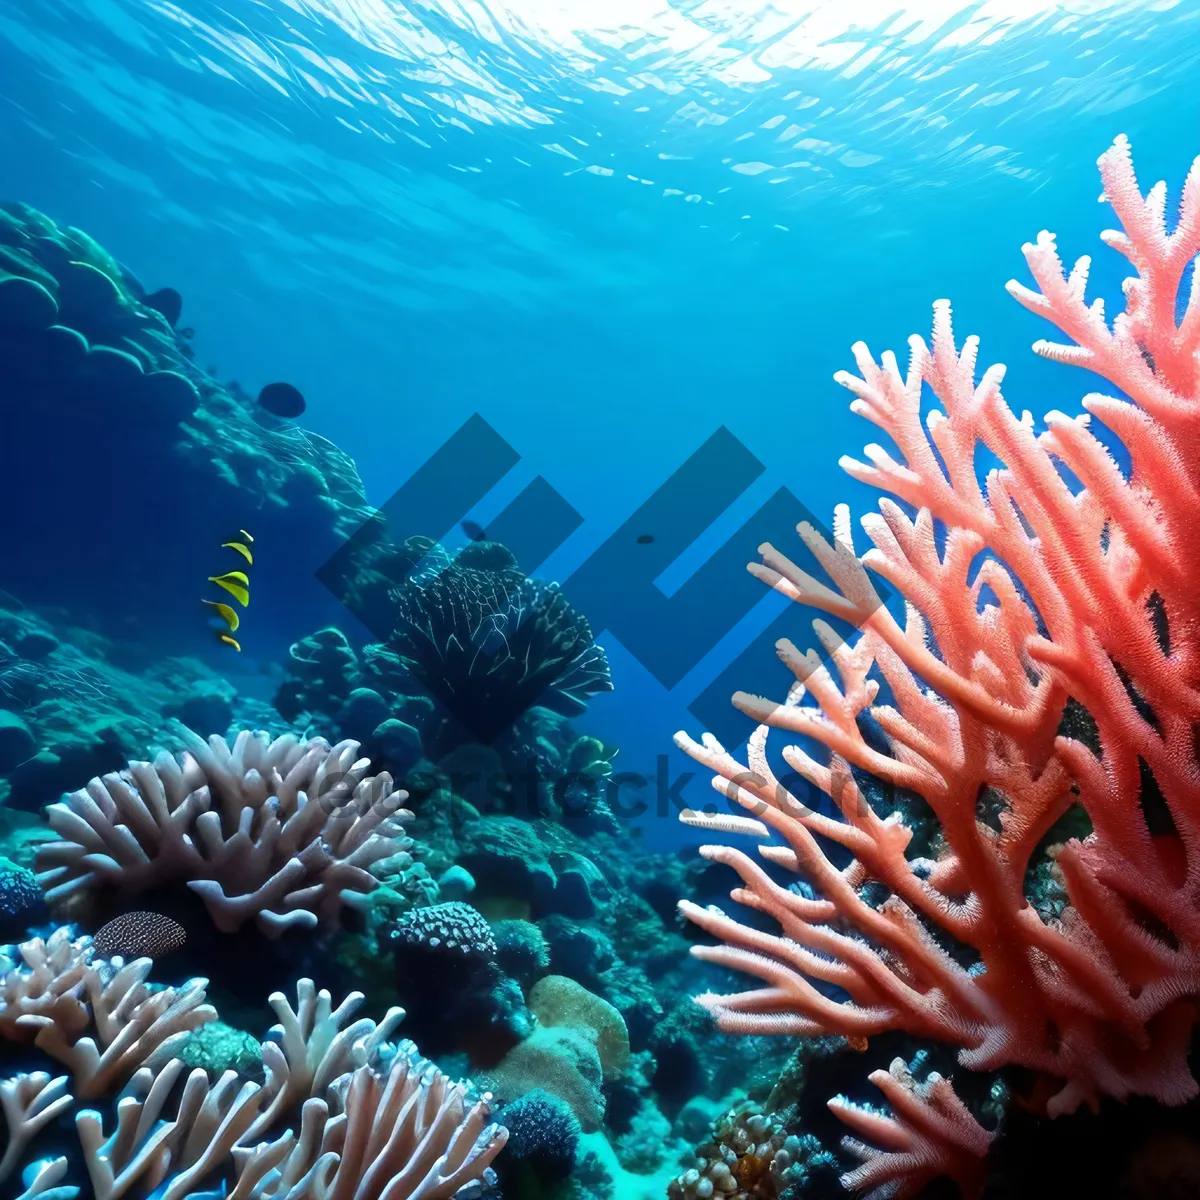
[(599, 599)]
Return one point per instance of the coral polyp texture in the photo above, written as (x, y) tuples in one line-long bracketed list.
[(1065, 580), (139, 935), (280, 832), (750, 1156)]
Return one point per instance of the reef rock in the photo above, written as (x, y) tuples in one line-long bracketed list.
[(154, 460)]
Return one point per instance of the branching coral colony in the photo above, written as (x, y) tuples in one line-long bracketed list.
[(375, 1120), (1066, 575)]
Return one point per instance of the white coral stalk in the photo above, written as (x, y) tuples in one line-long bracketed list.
[(147, 1149), (30, 1103)]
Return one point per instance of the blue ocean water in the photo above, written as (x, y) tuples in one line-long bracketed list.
[(610, 229), (633, 240)]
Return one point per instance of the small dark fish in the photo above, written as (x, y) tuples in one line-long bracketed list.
[(474, 531), (282, 400), (645, 539), (168, 302), (138, 935)]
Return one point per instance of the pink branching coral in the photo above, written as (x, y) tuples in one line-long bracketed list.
[(931, 1135), (280, 832), (1065, 574)]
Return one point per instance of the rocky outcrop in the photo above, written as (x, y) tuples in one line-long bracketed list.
[(129, 465)]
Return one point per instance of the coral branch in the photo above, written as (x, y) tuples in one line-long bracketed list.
[(932, 1135), (376, 1120), (146, 1147), (1063, 581), (403, 1132), (30, 1103)]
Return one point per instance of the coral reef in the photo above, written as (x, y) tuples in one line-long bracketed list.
[(543, 1137), (456, 995), (59, 991), (538, 863), (533, 941), (525, 758), (282, 832), (557, 1001), (521, 950), (373, 1117), (69, 709), (187, 460), (1060, 585), (21, 901)]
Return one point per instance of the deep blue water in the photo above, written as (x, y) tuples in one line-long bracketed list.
[(609, 228)]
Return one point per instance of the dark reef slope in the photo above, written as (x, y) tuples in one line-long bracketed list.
[(124, 466)]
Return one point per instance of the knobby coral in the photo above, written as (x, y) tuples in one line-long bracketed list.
[(749, 1156), (280, 832), (1066, 578)]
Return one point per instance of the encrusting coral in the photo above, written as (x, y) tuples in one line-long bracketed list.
[(1067, 574), (375, 1119), (282, 832)]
